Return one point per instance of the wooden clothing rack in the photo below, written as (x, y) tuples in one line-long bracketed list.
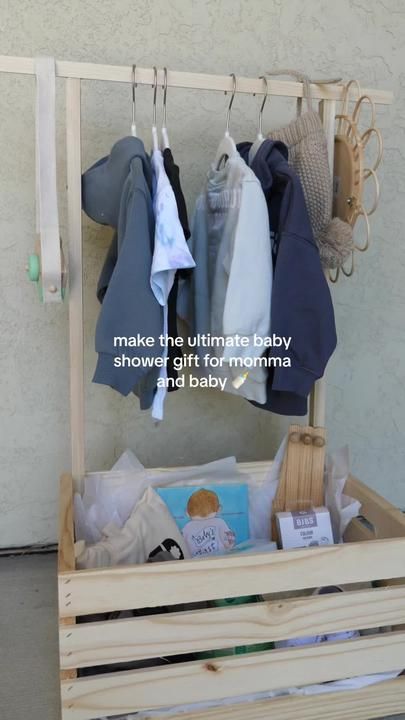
[(74, 72), (372, 552)]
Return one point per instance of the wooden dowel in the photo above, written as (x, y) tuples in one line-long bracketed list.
[(317, 412), (76, 352), (187, 80)]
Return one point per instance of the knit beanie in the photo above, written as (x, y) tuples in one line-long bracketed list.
[(308, 155)]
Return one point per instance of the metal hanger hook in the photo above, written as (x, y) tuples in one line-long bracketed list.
[(265, 96), (154, 86), (228, 114), (164, 87), (134, 85)]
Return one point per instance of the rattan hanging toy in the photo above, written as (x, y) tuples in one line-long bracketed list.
[(350, 171)]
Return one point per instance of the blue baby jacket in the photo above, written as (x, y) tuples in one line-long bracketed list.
[(117, 191)]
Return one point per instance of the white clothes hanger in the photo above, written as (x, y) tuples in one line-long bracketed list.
[(155, 140), (133, 124), (227, 146), (259, 139), (165, 135)]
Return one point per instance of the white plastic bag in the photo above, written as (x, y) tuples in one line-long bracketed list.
[(109, 497), (261, 498), (342, 508)]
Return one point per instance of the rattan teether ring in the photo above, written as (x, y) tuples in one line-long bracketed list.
[(369, 173), (351, 134), (349, 131), (345, 102), (362, 213), (333, 278), (358, 108), (365, 140), (348, 170), (348, 273)]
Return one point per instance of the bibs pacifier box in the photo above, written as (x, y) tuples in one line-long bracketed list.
[(305, 528)]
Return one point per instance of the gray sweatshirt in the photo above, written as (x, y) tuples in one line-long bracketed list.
[(117, 191)]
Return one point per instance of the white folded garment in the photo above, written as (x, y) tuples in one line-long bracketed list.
[(149, 535)]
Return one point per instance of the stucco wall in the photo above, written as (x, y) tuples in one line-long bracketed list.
[(366, 395)]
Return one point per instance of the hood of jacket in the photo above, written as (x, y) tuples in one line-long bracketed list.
[(103, 182), (281, 186), (271, 157)]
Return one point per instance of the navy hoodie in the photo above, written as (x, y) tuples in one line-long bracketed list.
[(301, 305)]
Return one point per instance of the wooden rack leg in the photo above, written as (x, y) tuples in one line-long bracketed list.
[(317, 412), (66, 556), (76, 354)]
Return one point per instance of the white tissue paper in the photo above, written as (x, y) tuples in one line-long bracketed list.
[(109, 497), (342, 508), (128, 461), (261, 498)]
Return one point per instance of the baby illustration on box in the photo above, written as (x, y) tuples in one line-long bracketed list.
[(206, 533), (212, 518)]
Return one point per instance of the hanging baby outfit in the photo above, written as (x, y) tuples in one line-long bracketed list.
[(301, 304), (117, 191), (231, 293), (170, 254), (139, 272), (175, 352), (230, 289)]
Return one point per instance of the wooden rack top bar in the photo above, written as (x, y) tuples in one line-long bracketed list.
[(187, 80)]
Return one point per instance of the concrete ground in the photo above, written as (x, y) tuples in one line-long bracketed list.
[(28, 639)]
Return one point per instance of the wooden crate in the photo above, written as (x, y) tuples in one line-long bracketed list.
[(372, 553)]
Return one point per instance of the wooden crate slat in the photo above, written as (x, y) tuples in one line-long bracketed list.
[(357, 531), (120, 588), (366, 704), (191, 682), (113, 641), (387, 520)]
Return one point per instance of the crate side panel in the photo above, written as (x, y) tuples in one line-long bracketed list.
[(387, 520), (193, 682), (370, 703), (122, 588), (113, 641)]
